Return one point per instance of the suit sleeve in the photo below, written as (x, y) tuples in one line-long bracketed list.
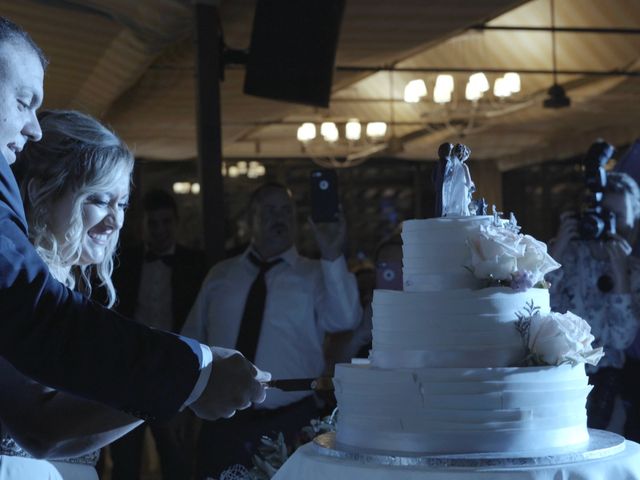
[(65, 341)]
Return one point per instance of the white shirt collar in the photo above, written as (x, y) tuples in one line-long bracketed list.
[(289, 256)]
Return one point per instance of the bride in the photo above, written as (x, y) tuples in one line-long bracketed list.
[(75, 185), (458, 186)]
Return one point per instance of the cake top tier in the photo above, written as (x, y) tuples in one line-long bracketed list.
[(471, 252), (435, 253)]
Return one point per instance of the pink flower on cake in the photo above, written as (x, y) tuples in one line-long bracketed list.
[(536, 260), (558, 338), (494, 252)]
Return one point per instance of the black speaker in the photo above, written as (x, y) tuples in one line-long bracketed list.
[(293, 50)]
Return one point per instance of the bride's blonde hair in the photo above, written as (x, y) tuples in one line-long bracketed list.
[(80, 155)]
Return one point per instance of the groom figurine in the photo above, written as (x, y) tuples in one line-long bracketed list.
[(62, 339)]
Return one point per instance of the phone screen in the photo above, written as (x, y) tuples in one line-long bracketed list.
[(389, 275), (324, 196)]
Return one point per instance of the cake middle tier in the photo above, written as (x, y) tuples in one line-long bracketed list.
[(454, 328)]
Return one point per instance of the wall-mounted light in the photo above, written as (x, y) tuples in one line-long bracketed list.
[(181, 188), (252, 169)]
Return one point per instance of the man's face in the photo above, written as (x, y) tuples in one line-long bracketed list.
[(161, 229), (272, 223), (21, 80)]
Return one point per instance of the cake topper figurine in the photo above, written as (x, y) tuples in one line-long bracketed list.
[(497, 216), (478, 207), (442, 170), (513, 223), (453, 183)]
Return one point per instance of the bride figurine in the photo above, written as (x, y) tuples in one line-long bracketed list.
[(457, 186)]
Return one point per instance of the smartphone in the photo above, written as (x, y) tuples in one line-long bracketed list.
[(389, 275), (324, 196)]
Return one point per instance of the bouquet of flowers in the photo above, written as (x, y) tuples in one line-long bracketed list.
[(273, 451)]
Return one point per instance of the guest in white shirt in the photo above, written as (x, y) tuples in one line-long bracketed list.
[(304, 299)]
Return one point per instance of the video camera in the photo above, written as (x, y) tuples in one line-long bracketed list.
[(594, 221)]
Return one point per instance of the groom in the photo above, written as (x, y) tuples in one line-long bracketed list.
[(65, 341)]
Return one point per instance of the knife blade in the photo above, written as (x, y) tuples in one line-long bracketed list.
[(301, 384)]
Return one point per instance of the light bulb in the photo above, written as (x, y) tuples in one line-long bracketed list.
[(471, 92), (441, 94), (353, 130), (329, 132), (414, 91), (444, 83), (306, 132), (513, 81), (480, 81), (180, 188), (376, 129)]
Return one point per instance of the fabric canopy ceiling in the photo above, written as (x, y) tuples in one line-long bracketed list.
[(132, 65)]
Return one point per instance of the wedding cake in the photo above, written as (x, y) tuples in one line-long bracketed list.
[(468, 358)]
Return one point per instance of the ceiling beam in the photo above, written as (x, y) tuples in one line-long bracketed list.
[(522, 71)]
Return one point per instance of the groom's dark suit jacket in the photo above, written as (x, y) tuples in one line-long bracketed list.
[(188, 269), (65, 341)]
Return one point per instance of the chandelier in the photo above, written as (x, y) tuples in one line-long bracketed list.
[(476, 88), (356, 141)]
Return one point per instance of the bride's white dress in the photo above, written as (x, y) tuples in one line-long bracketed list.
[(16, 464), (456, 189)]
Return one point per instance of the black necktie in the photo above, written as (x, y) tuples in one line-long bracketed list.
[(152, 257), (253, 309)]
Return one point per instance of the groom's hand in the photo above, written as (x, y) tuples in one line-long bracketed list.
[(234, 384)]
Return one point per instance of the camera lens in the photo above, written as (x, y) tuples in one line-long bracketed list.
[(605, 283), (591, 226)]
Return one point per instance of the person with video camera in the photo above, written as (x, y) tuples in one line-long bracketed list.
[(599, 280)]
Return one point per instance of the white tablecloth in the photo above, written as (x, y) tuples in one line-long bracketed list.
[(19, 468), (307, 464)]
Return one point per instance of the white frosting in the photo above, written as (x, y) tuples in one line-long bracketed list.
[(454, 328), (435, 253), (455, 410), (442, 376)]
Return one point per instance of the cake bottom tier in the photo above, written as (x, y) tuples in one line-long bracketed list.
[(461, 410)]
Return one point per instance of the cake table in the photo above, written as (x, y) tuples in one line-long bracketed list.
[(607, 457)]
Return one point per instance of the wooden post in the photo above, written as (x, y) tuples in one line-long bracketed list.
[(208, 69)]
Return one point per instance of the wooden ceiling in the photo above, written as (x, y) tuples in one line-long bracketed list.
[(132, 65)]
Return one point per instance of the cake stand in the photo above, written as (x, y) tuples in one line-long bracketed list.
[(606, 456)]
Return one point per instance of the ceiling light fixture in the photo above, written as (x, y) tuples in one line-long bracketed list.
[(557, 95)]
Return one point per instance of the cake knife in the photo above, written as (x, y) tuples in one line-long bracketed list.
[(301, 384)]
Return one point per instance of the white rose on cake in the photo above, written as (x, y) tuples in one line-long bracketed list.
[(500, 253), (558, 338), (536, 260), (495, 252)]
